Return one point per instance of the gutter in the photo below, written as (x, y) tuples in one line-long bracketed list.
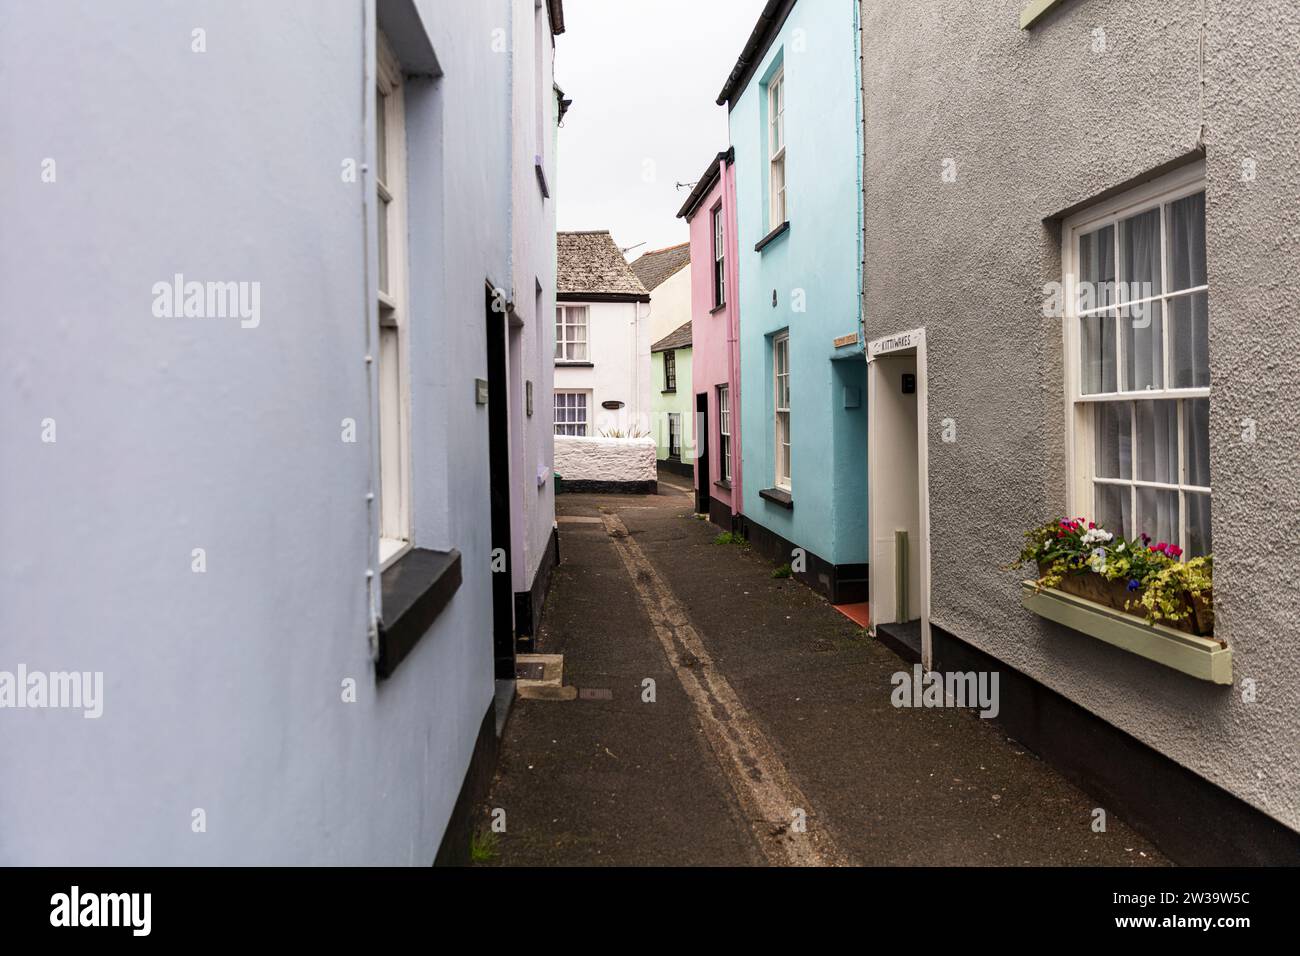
[(769, 23), (711, 175)]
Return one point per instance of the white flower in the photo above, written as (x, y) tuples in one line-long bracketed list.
[(1098, 560), (1096, 536)]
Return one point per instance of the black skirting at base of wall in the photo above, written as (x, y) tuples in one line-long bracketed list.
[(840, 583), (584, 487), (1193, 821), (675, 467), (454, 849), (529, 604), (720, 514)]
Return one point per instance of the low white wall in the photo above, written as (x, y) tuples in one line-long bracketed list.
[(605, 459)]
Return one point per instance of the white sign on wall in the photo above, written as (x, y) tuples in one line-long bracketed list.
[(899, 342)]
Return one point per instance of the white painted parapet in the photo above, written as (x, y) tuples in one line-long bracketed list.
[(621, 460)]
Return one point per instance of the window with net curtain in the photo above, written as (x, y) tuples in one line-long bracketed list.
[(1143, 399)]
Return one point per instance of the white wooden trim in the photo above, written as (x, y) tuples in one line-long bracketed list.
[(587, 420), (890, 345), (1080, 435), (394, 310), (786, 483), (777, 153), (391, 551)]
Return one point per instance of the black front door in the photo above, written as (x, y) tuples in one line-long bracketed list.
[(503, 623), (702, 453)]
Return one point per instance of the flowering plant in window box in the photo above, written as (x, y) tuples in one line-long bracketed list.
[(1132, 575)]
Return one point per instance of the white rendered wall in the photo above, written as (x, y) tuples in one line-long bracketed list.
[(532, 266), (605, 459), (619, 347)]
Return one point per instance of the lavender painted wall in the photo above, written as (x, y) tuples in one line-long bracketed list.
[(223, 690)]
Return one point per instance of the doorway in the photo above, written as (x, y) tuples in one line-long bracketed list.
[(898, 486), (498, 408), (702, 453)]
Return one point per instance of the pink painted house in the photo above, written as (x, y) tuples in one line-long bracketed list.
[(710, 211)]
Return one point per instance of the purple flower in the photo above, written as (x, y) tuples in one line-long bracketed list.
[(1133, 584)]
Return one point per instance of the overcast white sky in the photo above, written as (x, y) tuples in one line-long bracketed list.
[(643, 76)]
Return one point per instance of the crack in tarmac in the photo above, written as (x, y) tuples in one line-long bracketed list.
[(768, 795)]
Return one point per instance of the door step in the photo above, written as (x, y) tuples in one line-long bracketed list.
[(541, 677)]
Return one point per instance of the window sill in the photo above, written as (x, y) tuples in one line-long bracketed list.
[(669, 391), (717, 308), (1201, 657), (778, 496), (1035, 11), (723, 484), (416, 589), (772, 236), (561, 364)]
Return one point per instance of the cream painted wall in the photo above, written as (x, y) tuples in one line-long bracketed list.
[(670, 304)]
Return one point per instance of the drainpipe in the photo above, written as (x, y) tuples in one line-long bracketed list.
[(636, 368), (861, 118)]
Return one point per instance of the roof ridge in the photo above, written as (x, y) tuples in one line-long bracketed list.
[(589, 261), (655, 252), (675, 339)]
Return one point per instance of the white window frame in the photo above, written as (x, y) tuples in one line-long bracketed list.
[(392, 351), (584, 405), (564, 343), (675, 432), (778, 199), (782, 449), (724, 431), (670, 370), (719, 258), (1079, 407)]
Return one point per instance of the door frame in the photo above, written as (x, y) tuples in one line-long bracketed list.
[(901, 342)]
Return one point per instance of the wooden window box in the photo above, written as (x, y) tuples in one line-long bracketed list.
[(1205, 658)]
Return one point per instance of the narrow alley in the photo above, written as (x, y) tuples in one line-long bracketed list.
[(769, 702)]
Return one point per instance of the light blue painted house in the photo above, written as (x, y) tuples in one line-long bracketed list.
[(793, 108)]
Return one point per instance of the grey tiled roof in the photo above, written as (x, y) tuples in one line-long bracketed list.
[(590, 262), (679, 338), (656, 268)]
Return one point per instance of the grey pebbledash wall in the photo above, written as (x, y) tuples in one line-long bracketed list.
[(1038, 122)]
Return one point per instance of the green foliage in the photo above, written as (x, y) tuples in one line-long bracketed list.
[(782, 572), (1161, 584), (1165, 592), (730, 537), (483, 846)]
